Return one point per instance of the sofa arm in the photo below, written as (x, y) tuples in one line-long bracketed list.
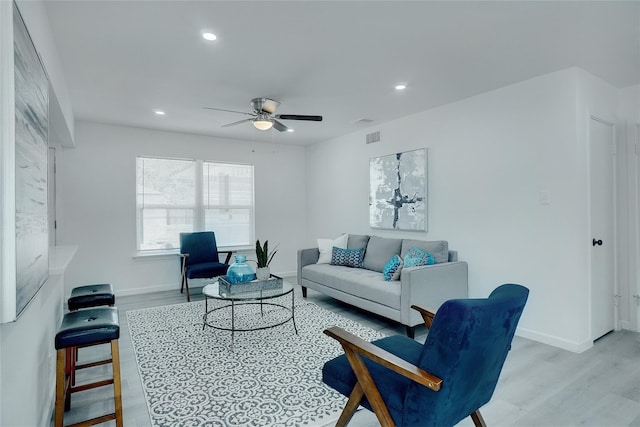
[(306, 257), (429, 286)]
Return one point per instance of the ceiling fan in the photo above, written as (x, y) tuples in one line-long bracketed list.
[(263, 118)]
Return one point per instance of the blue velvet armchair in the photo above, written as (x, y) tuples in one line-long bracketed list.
[(440, 383), (200, 259)]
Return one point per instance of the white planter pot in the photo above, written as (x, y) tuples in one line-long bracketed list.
[(262, 273)]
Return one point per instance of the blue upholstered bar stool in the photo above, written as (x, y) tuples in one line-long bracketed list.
[(84, 328), (91, 296)]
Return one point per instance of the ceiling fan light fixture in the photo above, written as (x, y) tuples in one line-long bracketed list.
[(263, 122)]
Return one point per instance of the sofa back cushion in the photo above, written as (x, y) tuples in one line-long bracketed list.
[(438, 248), (357, 241), (379, 251)]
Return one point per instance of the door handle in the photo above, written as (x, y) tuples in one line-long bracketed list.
[(597, 242)]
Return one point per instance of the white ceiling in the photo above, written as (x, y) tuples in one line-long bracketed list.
[(123, 59)]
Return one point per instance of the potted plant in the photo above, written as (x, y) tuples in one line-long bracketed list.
[(264, 258)]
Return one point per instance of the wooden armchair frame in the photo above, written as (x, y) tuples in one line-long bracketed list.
[(356, 349), (183, 262)]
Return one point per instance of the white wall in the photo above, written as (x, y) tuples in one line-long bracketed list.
[(98, 198), (490, 156), (629, 103), (35, 17), (28, 359)]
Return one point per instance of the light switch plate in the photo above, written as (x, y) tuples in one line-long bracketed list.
[(545, 198)]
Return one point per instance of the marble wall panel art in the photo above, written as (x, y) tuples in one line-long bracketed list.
[(398, 191), (31, 145)]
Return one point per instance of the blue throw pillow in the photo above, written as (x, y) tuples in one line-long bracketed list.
[(392, 268), (347, 257), (416, 256)]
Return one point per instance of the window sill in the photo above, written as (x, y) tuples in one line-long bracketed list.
[(172, 254), (139, 255)]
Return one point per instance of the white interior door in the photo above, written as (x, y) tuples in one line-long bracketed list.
[(603, 303)]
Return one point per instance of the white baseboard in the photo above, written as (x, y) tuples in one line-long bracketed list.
[(194, 283), (554, 341), (286, 274), (149, 289)]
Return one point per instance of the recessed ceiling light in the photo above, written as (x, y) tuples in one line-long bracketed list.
[(290, 130), (159, 112), (401, 87), (209, 36)]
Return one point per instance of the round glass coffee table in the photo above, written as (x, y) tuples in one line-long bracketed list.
[(262, 298)]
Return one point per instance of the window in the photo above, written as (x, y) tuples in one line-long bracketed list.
[(175, 196)]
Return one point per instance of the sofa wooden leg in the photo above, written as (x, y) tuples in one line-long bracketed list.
[(304, 291), (411, 331)]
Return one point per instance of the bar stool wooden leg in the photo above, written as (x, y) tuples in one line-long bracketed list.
[(117, 387), (70, 375), (60, 386)]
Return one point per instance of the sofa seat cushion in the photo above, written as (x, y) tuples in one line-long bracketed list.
[(438, 248), (359, 282)]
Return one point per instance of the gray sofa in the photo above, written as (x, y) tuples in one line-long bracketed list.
[(426, 286)]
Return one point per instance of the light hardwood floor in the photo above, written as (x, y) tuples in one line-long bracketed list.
[(540, 385)]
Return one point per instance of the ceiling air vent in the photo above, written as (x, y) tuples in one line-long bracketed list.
[(373, 137)]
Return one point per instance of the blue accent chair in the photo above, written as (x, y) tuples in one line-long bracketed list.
[(199, 256), (440, 383)]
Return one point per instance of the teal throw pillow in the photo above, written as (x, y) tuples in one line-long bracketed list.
[(347, 257), (392, 268), (416, 256)]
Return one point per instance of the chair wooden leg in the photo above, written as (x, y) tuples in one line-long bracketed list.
[(186, 285), (354, 401), (369, 388), (117, 386), (478, 421), (304, 291)]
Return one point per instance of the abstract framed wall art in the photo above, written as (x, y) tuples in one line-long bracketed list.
[(31, 156), (398, 191)]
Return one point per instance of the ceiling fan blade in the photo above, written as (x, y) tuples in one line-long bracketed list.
[(236, 123), (299, 117), (279, 126), (228, 111)]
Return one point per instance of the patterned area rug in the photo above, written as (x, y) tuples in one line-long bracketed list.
[(271, 378)]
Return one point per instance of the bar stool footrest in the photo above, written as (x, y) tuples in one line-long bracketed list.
[(94, 421), (92, 385)]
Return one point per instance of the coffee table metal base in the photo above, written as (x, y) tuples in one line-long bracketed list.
[(257, 300)]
